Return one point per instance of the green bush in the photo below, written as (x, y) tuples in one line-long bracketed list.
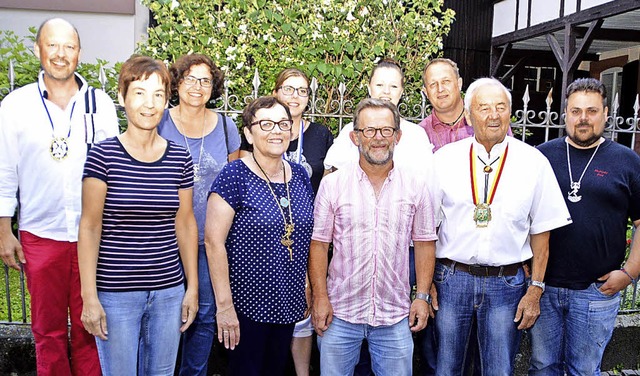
[(334, 41)]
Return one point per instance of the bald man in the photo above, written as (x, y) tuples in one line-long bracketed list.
[(46, 129)]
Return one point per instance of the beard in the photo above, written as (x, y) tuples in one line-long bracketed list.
[(584, 142), (369, 158)]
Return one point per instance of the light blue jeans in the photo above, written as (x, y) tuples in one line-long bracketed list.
[(198, 339), (391, 348), (144, 332), (572, 331), (493, 302)]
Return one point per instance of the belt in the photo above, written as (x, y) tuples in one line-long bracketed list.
[(483, 270)]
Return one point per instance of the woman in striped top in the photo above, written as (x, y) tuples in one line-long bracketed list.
[(137, 226)]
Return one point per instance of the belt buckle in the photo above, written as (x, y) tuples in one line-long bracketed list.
[(478, 270)]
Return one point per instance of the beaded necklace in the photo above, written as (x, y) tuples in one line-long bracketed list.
[(284, 202)]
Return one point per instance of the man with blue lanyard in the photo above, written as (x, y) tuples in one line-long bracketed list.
[(46, 129)]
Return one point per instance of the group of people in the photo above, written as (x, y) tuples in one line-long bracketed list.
[(177, 231)]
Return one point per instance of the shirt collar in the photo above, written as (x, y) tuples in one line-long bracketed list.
[(497, 148), (82, 84)]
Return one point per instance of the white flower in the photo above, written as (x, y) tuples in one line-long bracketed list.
[(350, 17), (230, 50), (240, 65), (335, 30), (243, 28), (221, 25), (174, 4), (364, 11)]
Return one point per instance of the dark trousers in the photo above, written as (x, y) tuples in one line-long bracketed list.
[(263, 348)]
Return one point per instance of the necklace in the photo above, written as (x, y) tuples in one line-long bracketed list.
[(572, 195), (59, 147), (284, 202), (455, 121), (482, 211), (196, 167)]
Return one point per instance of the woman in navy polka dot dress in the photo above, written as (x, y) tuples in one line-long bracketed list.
[(257, 235)]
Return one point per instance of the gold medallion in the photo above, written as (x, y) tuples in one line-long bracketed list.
[(482, 215)]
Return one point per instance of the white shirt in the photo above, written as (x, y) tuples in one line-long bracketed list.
[(50, 190), (527, 201), (412, 151)]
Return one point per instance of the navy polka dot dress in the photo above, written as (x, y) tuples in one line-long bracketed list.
[(265, 284)]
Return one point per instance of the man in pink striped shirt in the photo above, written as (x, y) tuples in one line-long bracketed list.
[(371, 211)]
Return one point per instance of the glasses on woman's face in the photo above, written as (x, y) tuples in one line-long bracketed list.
[(289, 90), (370, 132), (268, 125), (190, 81)]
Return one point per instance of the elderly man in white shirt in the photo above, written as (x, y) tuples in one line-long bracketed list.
[(497, 199)]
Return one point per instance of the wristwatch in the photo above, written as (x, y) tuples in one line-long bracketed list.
[(537, 284), (424, 296)]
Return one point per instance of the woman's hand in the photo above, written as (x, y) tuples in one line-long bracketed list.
[(189, 308), (94, 318), (228, 327)]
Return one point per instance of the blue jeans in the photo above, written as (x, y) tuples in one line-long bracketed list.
[(144, 331), (198, 339), (391, 348), (493, 302), (572, 331)]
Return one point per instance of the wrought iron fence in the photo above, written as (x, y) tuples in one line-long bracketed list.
[(531, 126)]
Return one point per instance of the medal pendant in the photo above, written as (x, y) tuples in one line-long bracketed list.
[(482, 215), (196, 173), (284, 202), (59, 148)]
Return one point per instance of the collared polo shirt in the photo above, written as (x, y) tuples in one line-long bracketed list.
[(368, 279)]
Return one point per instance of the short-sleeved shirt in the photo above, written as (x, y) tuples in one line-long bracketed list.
[(368, 281), (594, 244), (527, 201), (266, 284), (214, 156), (138, 247)]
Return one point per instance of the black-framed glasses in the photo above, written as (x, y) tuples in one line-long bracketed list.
[(204, 82), (268, 125), (289, 90), (370, 132)]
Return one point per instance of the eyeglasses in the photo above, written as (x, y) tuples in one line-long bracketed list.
[(190, 81), (370, 132), (288, 90), (268, 125)]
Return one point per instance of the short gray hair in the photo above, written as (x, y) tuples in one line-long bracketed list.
[(486, 81), (376, 103)]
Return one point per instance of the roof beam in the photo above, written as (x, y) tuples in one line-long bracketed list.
[(591, 14), (618, 35)]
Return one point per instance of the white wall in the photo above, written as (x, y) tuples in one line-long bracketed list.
[(110, 37), (504, 12)]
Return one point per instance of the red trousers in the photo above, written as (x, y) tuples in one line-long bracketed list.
[(53, 280)]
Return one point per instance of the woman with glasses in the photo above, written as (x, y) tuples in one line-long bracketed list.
[(310, 146), (212, 140), (257, 236)]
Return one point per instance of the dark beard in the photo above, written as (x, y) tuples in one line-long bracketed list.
[(585, 143)]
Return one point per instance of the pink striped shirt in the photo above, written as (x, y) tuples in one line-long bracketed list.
[(368, 281)]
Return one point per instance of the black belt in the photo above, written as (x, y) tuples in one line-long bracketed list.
[(483, 270)]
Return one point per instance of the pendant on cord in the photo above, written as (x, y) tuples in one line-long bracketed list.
[(59, 148)]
